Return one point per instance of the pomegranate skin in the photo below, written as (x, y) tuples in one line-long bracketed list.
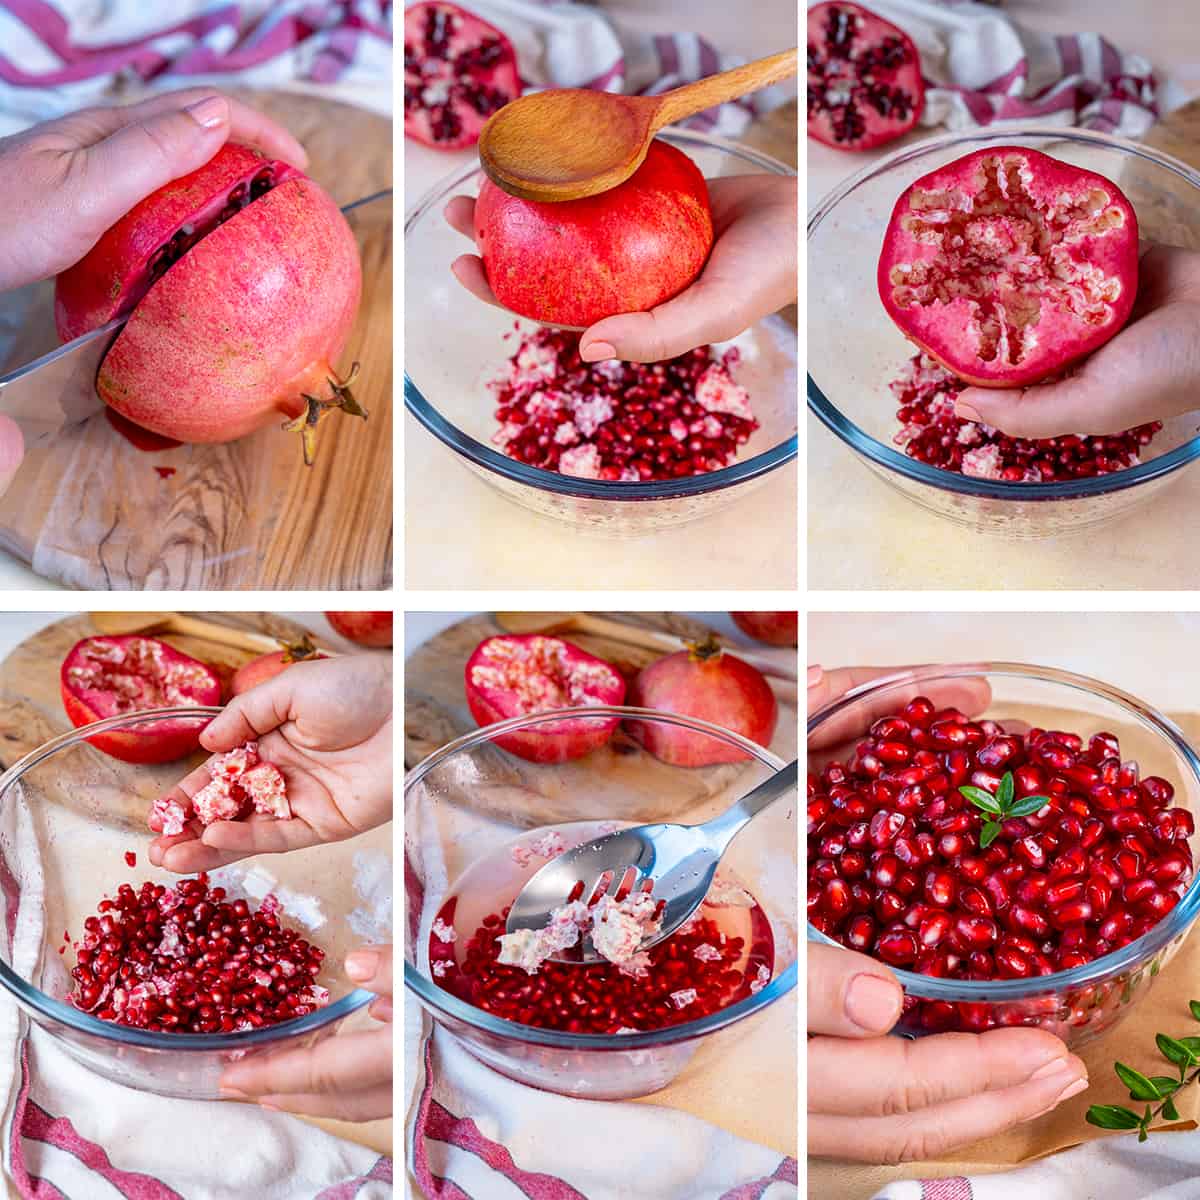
[(366, 628), (152, 674), (711, 685), (626, 250), (267, 666), (774, 628), (249, 320), (514, 675), (1007, 265)]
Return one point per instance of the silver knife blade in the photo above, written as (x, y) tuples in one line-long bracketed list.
[(59, 388)]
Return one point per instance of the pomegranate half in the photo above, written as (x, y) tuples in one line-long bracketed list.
[(1008, 265), (107, 676), (577, 261), (241, 281), (510, 676), (267, 666)]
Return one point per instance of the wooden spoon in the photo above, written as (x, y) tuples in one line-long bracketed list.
[(573, 142), (185, 625)]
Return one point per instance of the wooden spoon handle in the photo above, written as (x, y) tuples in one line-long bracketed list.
[(692, 98)]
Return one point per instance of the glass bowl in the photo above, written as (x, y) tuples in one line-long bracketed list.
[(60, 852), (854, 349), (1079, 1004), (454, 344), (471, 799)]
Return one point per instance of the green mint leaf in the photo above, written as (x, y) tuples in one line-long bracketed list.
[(1174, 1051), (1140, 1088), (1030, 804), (1193, 1044), (1165, 1084), (980, 798), (1194, 1005), (1112, 1116), (988, 834), (1006, 790), (1170, 1112)]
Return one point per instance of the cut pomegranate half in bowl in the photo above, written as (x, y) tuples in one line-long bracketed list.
[(458, 345), (856, 351), (73, 828), (1063, 916)]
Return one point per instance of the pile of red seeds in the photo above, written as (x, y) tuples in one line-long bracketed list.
[(895, 867), (931, 433), (619, 421), (188, 960), (689, 975)]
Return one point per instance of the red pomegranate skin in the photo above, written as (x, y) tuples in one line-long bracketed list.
[(1008, 265), (626, 250), (711, 685), (520, 674), (267, 666), (228, 340), (366, 628), (149, 673), (774, 628)]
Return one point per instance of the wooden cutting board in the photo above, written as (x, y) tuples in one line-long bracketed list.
[(90, 510)]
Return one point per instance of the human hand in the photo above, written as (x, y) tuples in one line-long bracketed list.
[(69, 180), (327, 725), (347, 1077), (751, 272), (874, 1098), (1150, 371)]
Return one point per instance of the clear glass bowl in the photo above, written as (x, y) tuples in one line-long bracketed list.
[(854, 349), (620, 783), (454, 345), (1086, 1001), (60, 854)]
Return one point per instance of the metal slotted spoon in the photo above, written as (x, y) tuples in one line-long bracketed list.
[(675, 863)]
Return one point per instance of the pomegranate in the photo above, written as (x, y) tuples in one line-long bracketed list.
[(711, 685), (458, 70), (577, 261), (106, 676), (624, 422), (241, 281), (864, 78), (1008, 265), (267, 666), (186, 959), (912, 858), (515, 675), (365, 628), (774, 628), (931, 433)]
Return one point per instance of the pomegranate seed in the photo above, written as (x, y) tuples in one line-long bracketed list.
[(897, 946)]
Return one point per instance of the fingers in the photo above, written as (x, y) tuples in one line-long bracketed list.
[(460, 216), (850, 995), (468, 270), (892, 1076), (369, 1105), (371, 968), (12, 451), (1048, 410), (335, 1066), (251, 715)]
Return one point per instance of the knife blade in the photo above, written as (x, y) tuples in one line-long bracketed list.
[(59, 388)]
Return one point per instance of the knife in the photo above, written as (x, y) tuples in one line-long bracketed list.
[(59, 388)]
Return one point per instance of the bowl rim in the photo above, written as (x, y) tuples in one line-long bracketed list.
[(1175, 924), (484, 457), (79, 1021), (894, 461), (430, 995)]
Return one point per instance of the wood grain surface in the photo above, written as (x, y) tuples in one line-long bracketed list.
[(88, 509)]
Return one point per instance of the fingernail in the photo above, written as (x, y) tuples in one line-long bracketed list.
[(1056, 1066), (229, 1093), (872, 1003), (815, 675), (269, 1107), (209, 112), (595, 351), (362, 964), (1070, 1090), (964, 412)]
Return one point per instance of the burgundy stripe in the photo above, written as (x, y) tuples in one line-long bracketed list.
[(710, 63), (12, 898), (1069, 54), (600, 82), (381, 1172), (1110, 60), (1009, 80), (668, 55), (788, 1171), (957, 1188)]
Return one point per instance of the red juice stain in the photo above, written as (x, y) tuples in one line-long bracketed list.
[(138, 437), (165, 472), (130, 858)]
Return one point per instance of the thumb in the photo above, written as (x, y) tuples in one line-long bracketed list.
[(371, 967), (143, 156), (1075, 405), (12, 451)]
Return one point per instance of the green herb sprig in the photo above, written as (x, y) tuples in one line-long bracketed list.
[(1181, 1053), (1001, 806)]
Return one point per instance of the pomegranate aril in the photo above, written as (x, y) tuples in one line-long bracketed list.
[(898, 947)]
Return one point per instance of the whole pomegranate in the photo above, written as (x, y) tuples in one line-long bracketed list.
[(458, 70), (267, 666), (510, 676), (864, 78), (1008, 265), (711, 685), (365, 628), (242, 281), (107, 676), (774, 628), (577, 261)]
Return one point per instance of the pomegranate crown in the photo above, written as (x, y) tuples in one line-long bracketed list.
[(316, 410), (705, 648)]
